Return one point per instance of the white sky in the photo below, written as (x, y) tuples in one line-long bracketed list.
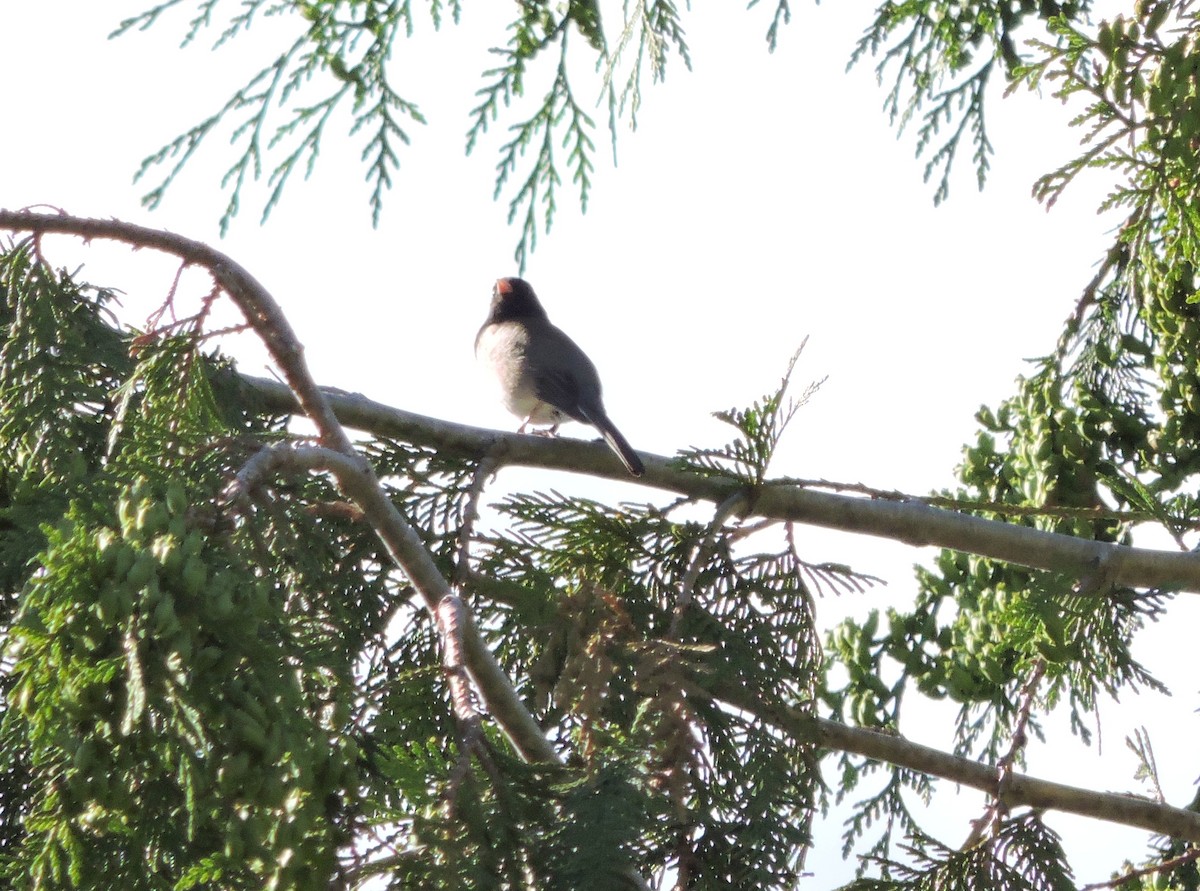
[(763, 198)]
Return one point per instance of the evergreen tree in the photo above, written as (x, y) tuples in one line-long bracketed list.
[(235, 657)]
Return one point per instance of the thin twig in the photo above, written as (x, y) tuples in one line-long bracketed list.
[(1134, 875), (484, 471), (997, 808), (736, 502)]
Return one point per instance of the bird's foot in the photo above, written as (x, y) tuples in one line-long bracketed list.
[(546, 431)]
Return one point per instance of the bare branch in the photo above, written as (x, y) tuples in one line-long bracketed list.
[(1019, 790), (354, 474), (1127, 879), (913, 522), (735, 503), (484, 471), (451, 618), (358, 482)]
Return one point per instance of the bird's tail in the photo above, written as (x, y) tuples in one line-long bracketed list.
[(617, 442)]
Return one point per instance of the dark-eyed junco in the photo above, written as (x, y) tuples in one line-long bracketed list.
[(544, 376)]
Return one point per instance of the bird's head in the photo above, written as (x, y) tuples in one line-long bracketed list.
[(513, 298)]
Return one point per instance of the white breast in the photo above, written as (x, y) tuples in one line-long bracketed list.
[(501, 351)]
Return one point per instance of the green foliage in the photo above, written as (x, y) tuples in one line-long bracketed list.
[(1103, 435), (337, 64), (979, 626), (653, 28), (540, 28), (155, 732), (195, 698), (1100, 439), (204, 698), (760, 428), (1128, 350), (941, 56), (601, 657), (341, 46), (58, 365), (979, 629), (1021, 855), (938, 57), (170, 742)]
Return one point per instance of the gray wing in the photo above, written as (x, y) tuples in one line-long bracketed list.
[(563, 375)]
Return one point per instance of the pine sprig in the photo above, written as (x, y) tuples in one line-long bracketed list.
[(781, 16), (58, 364), (760, 427), (347, 49), (1022, 855), (886, 809), (654, 27), (934, 51), (340, 54), (558, 120)]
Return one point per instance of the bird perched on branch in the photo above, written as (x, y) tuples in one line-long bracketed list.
[(544, 376)]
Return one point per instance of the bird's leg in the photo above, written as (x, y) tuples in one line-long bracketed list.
[(550, 431)]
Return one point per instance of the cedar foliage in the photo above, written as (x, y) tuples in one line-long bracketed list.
[(197, 696), (201, 696)]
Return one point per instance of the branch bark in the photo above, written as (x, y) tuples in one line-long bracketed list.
[(359, 483), (912, 522), (353, 473), (1017, 790)]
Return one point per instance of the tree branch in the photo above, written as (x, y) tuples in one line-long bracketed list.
[(258, 307), (1017, 790), (1127, 879), (1020, 789), (358, 482), (353, 473), (912, 522)]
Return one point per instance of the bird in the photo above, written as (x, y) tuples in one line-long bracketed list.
[(544, 377)]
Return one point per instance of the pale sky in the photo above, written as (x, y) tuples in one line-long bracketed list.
[(763, 198)]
